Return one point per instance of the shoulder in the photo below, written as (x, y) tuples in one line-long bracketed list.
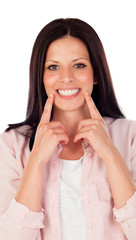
[(121, 127), (120, 122), (14, 137), (14, 151)]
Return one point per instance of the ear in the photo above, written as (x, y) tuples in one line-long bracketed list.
[(95, 81)]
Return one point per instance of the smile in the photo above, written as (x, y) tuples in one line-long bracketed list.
[(68, 92)]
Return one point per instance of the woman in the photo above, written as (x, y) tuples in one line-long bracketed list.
[(68, 171)]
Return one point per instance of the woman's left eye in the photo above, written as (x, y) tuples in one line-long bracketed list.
[(80, 65)]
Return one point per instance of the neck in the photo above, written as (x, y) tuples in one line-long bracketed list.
[(71, 119)]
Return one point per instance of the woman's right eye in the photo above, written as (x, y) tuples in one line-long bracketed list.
[(53, 67)]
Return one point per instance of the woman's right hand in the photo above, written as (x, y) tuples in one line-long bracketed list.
[(48, 135)]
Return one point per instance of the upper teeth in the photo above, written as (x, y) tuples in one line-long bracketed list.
[(68, 92)]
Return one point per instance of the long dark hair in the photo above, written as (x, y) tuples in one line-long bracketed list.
[(103, 93)]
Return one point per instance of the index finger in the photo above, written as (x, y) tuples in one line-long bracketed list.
[(47, 110), (92, 108)]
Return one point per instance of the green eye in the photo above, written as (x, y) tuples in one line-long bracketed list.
[(53, 67), (80, 65)]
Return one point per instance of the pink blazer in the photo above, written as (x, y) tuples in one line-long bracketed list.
[(104, 221)]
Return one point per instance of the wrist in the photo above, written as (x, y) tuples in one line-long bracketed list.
[(35, 160), (111, 153)]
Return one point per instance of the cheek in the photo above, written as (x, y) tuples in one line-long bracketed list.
[(87, 81), (86, 78), (48, 81)]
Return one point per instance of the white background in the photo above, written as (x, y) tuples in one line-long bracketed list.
[(20, 23)]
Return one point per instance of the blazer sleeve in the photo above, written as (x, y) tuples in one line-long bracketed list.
[(126, 215), (16, 220)]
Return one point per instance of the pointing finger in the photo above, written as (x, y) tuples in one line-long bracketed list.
[(92, 108), (47, 110)]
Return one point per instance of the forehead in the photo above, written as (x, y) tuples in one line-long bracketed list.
[(67, 46)]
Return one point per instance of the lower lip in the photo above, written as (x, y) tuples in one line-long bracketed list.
[(69, 97)]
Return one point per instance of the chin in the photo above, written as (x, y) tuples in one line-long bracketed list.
[(70, 106)]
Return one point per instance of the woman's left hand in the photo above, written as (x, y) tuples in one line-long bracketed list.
[(94, 131)]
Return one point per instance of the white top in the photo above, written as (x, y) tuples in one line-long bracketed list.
[(72, 217)]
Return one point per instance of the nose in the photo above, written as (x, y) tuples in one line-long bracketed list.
[(67, 75)]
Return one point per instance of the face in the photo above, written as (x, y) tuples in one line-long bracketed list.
[(68, 73)]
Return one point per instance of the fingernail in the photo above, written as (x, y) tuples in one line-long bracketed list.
[(86, 93), (51, 95)]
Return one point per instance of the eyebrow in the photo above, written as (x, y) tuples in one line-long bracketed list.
[(79, 59), (52, 61), (72, 61)]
